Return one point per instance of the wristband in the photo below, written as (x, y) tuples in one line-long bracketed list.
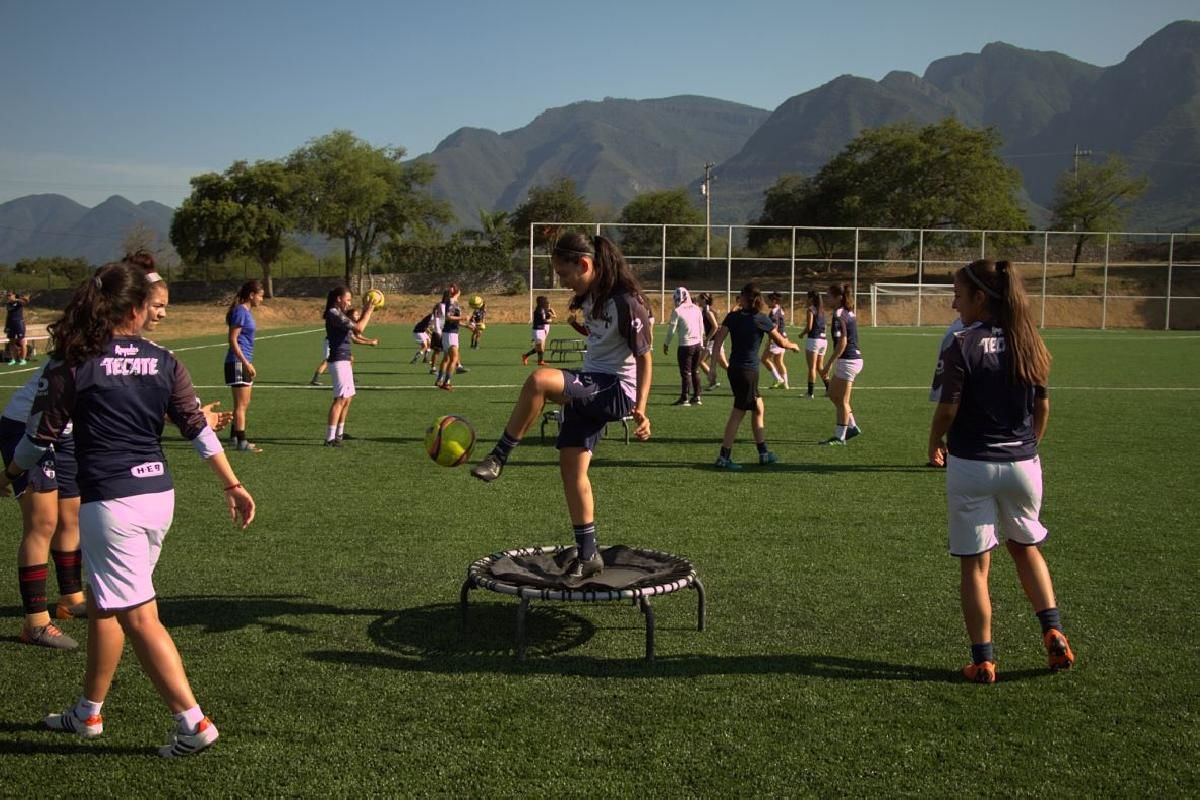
[(233, 486)]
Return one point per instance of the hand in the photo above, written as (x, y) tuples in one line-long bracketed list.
[(937, 454), (642, 431), (251, 371), (241, 504), (374, 343), (216, 419)]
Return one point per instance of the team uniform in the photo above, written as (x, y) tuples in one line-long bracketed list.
[(814, 341), (688, 321), (339, 332), (421, 331), (476, 317), (993, 473), (14, 319), (541, 325), (947, 338), (118, 401), (850, 362), (437, 323), (450, 326), (604, 389), (779, 320), (57, 469), (235, 371), (746, 330)]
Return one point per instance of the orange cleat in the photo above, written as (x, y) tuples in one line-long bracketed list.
[(1058, 650), (980, 673)]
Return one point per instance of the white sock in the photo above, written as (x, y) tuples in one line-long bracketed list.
[(775, 374), (840, 432), (188, 721), (332, 432), (341, 429), (785, 381), (851, 423), (85, 709)]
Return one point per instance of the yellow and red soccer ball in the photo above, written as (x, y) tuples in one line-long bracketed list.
[(449, 440), (376, 298)]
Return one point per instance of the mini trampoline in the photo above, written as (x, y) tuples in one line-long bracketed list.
[(538, 573)]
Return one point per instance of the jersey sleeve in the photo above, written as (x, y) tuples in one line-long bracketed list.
[(50, 414), (764, 323), (633, 322), (339, 321), (949, 375), (183, 408)]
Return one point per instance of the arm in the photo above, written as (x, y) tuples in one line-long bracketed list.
[(943, 418), (1041, 417), (833, 354), (645, 370), (719, 338), (671, 326), (364, 340), (809, 320), (579, 328), (361, 325), (782, 341), (237, 351)]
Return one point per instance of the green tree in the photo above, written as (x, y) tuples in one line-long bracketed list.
[(495, 231), (73, 269), (350, 190), (1094, 199), (247, 211), (670, 207), (555, 204), (799, 200)]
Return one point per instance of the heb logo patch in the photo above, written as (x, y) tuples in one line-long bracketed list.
[(150, 469), (129, 366)]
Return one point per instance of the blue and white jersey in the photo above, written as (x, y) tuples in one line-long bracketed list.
[(451, 325), (817, 331), (845, 325), (994, 421), (339, 331), (477, 315), (947, 338), (118, 401), (423, 325), (21, 403), (746, 332), (618, 333), (240, 317), (541, 319), (779, 319)]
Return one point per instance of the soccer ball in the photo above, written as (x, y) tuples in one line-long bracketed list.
[(449, 440), (476, 301), (376, 298), (481, 325)]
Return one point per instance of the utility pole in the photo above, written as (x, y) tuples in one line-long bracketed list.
[(1078, 152), (706, 190)]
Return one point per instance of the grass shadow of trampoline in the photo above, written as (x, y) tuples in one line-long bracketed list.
[(437, 631)]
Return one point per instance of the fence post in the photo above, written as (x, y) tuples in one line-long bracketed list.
[(662, 285), (920, 270), (983, 244), (1170, 270), (728, 266), (855, 281), (1045, 262), (1104, 298), (792, 301), (531, 270)]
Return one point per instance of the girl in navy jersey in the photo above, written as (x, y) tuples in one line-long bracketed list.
[(745, 326), (421, 337), (772, 357), (341, 331), (477, 325), (992, 412), (613, 383), (711, 359), (543, 315), (814, 338), (14, 327), (843, 363), (118, 389), (453, 317), (239, 359)]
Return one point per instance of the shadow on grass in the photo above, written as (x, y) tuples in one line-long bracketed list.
[(228, 613), (57, 743), (432, 639)]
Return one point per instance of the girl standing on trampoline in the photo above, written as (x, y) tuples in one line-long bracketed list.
[(745, 326), (992, 412), (814, 338), (118, 388), (613, 383), (341, 331), (239, 359), (845, 361)]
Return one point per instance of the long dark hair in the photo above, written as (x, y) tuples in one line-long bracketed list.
[(99, 304), (613, 275), (751, 298), (814, 300), (1008, 306), (243, 295), (332, 298), (843, 294)]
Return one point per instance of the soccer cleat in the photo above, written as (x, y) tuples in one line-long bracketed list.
[(581, 568), (680, 402), (1058, 650), (810, 396), (714, 385), (767, 458), (696, 402), (67, 721), (315, 382), (333, 442), (525, 360), (187, 744), (833, 441), (489, 469), (48, 635), (727, 463), (22, 363), (984, 672), (777, 385), (74, 611), (460, 369), (446, 387), (852, 432)]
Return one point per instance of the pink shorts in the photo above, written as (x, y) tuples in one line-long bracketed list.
[(121, 541)]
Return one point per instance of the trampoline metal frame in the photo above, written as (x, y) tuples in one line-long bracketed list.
[(479, 577)]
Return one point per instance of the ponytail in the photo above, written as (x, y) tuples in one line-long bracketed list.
[(814, 299), (243, 295), (1001, 285), (844, 295), (99, 304), (332, 298), (751, 298)]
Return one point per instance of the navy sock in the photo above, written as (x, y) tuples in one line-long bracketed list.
[(504, 447), (1049, 619), (726, 452), (762, 447), (585, 539), (982, 652), (810, 387)]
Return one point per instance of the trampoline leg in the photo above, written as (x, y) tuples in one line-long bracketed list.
[(699, 587), (521, 610), (649, 613), (467, 586)]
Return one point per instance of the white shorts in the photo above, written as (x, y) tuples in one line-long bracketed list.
[(421, 339), (539, 335), (847, 368), (982, 496), (121, 541), (325, 349), (343, 378), (449, 340), (775, 349), (815, 346)]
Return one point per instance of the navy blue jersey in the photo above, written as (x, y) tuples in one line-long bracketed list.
[(541, 319), (817, 331), (779, 318), (339, 330), (118, 401), (423, 325), (994, 421), (746, 330), (451, 325), (845, 325), (240, 317), (478, 314), (15, 316), (710, 323)]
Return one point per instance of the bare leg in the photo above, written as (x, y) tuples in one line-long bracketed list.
[(105, 643), (541, 385), (1034, 575), (731, 427), (758, 421), (158, 656), (241, 403), (973, 593), (573, 463)]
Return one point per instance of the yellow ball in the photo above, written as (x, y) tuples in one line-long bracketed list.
[(476, 302), (376, 298), (449, 440), (481, 325)]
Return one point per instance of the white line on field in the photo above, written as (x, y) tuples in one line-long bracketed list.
[(460, 387)]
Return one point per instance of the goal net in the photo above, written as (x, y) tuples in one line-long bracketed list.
[(912, 304)]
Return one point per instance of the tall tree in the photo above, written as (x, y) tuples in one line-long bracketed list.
[(800, 200), (1093, 199), (361, 194), (556, 204), (670, 207), (495, 231), (245, 211)]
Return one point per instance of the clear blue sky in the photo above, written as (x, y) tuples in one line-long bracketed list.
[(132, 97)]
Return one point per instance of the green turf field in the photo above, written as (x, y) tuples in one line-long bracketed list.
[(325, 644)]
